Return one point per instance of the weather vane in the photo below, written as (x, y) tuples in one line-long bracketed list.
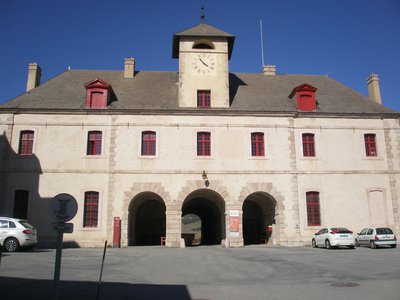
[(202, 17)]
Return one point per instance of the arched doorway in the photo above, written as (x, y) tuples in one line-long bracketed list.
[(258, 214), (210, 208), (146, 220)]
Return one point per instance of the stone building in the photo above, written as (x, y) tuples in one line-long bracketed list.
[(243, 152)]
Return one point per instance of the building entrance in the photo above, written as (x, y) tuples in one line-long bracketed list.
[(258, 214), (146, 220), (209, 207)]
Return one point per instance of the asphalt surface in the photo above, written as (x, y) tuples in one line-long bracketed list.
[(206, 273)]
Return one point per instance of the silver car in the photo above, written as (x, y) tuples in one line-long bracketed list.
[(376, 237), (333, 237), (16, 233)]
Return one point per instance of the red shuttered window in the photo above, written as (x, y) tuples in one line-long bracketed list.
[(313, 209), (370, 144), (26, 142), (91, 209), (203, 144), (94, 143), (257, 144), (148, 143), (308, 145), (204, 99)]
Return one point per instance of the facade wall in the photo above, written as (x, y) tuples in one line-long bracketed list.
[(349, 183)]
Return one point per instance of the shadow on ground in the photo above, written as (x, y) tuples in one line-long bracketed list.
[(32, 289)]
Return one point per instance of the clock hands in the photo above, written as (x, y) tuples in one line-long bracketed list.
[(203, 62)]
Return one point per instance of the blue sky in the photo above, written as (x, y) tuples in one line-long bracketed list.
[(344, 39)]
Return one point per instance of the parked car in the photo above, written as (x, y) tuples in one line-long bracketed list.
[(376, 237), (333, 237), (16, 233)]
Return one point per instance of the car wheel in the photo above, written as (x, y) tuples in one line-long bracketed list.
[(357, 244), (372, 245), (314, 244), (11, 245), (393, 246), (328, 244)]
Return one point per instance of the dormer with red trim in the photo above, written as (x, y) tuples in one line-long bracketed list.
[(305, 95), (99, 94)]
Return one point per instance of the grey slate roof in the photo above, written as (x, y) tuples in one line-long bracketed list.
[(156, 90), (202, 30)]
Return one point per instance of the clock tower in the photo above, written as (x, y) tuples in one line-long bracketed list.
[(203, 52)]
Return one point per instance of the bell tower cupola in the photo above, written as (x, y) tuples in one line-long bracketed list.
[(203, 52)]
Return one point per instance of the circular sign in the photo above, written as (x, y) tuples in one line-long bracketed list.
[(63, 207)]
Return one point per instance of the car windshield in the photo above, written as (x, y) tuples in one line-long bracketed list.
[(384, 231), (341, 230), (25, 224)]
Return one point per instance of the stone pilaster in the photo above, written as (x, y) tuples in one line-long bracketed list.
[(296, 241), (392, 143)]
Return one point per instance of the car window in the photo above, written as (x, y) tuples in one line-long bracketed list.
[(370, 231), (3, 224), (325, 230), (341, 230), (384, 231), (12, 224), (364, 231), (26, 224)]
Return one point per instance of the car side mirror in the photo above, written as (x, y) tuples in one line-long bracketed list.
[(358, 233)]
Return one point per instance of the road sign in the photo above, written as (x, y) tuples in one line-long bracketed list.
[(63, 207)]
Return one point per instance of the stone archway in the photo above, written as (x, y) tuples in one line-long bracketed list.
[(146, 221), (208, 201), (265, 199), (154, 198), (258, 214)]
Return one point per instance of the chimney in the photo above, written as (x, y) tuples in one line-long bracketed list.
[(34, 73), (269, 70), (129, 70), (373, 88)]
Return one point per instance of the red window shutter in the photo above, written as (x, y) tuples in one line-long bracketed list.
[(306, 101), (98, 99), (149, 143), (91, 209), (203, 144), (26, 142), (313, 209), (257, 144)]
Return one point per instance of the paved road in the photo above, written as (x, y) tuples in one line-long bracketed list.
[(212, 273)]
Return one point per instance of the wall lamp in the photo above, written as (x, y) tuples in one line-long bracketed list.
[(205, 178)]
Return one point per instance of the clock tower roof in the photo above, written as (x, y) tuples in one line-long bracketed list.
[(202, 30)]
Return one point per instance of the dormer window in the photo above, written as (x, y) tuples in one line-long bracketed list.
[(305, 96), (203, 44), (99, 94)]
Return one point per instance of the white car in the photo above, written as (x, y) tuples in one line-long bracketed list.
[(376, 237), (16, 233), (333, 237)]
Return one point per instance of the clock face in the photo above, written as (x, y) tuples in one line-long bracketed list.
[(203, 64)]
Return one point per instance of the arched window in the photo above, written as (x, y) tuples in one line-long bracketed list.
[(257, 144), (308, 145), (203, 143), (91, 209), (148, 143), (26, 142), (94, 143), (370, 144), (203, 44), (313, 209)]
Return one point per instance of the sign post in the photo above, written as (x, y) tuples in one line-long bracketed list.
[(63, 207)]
